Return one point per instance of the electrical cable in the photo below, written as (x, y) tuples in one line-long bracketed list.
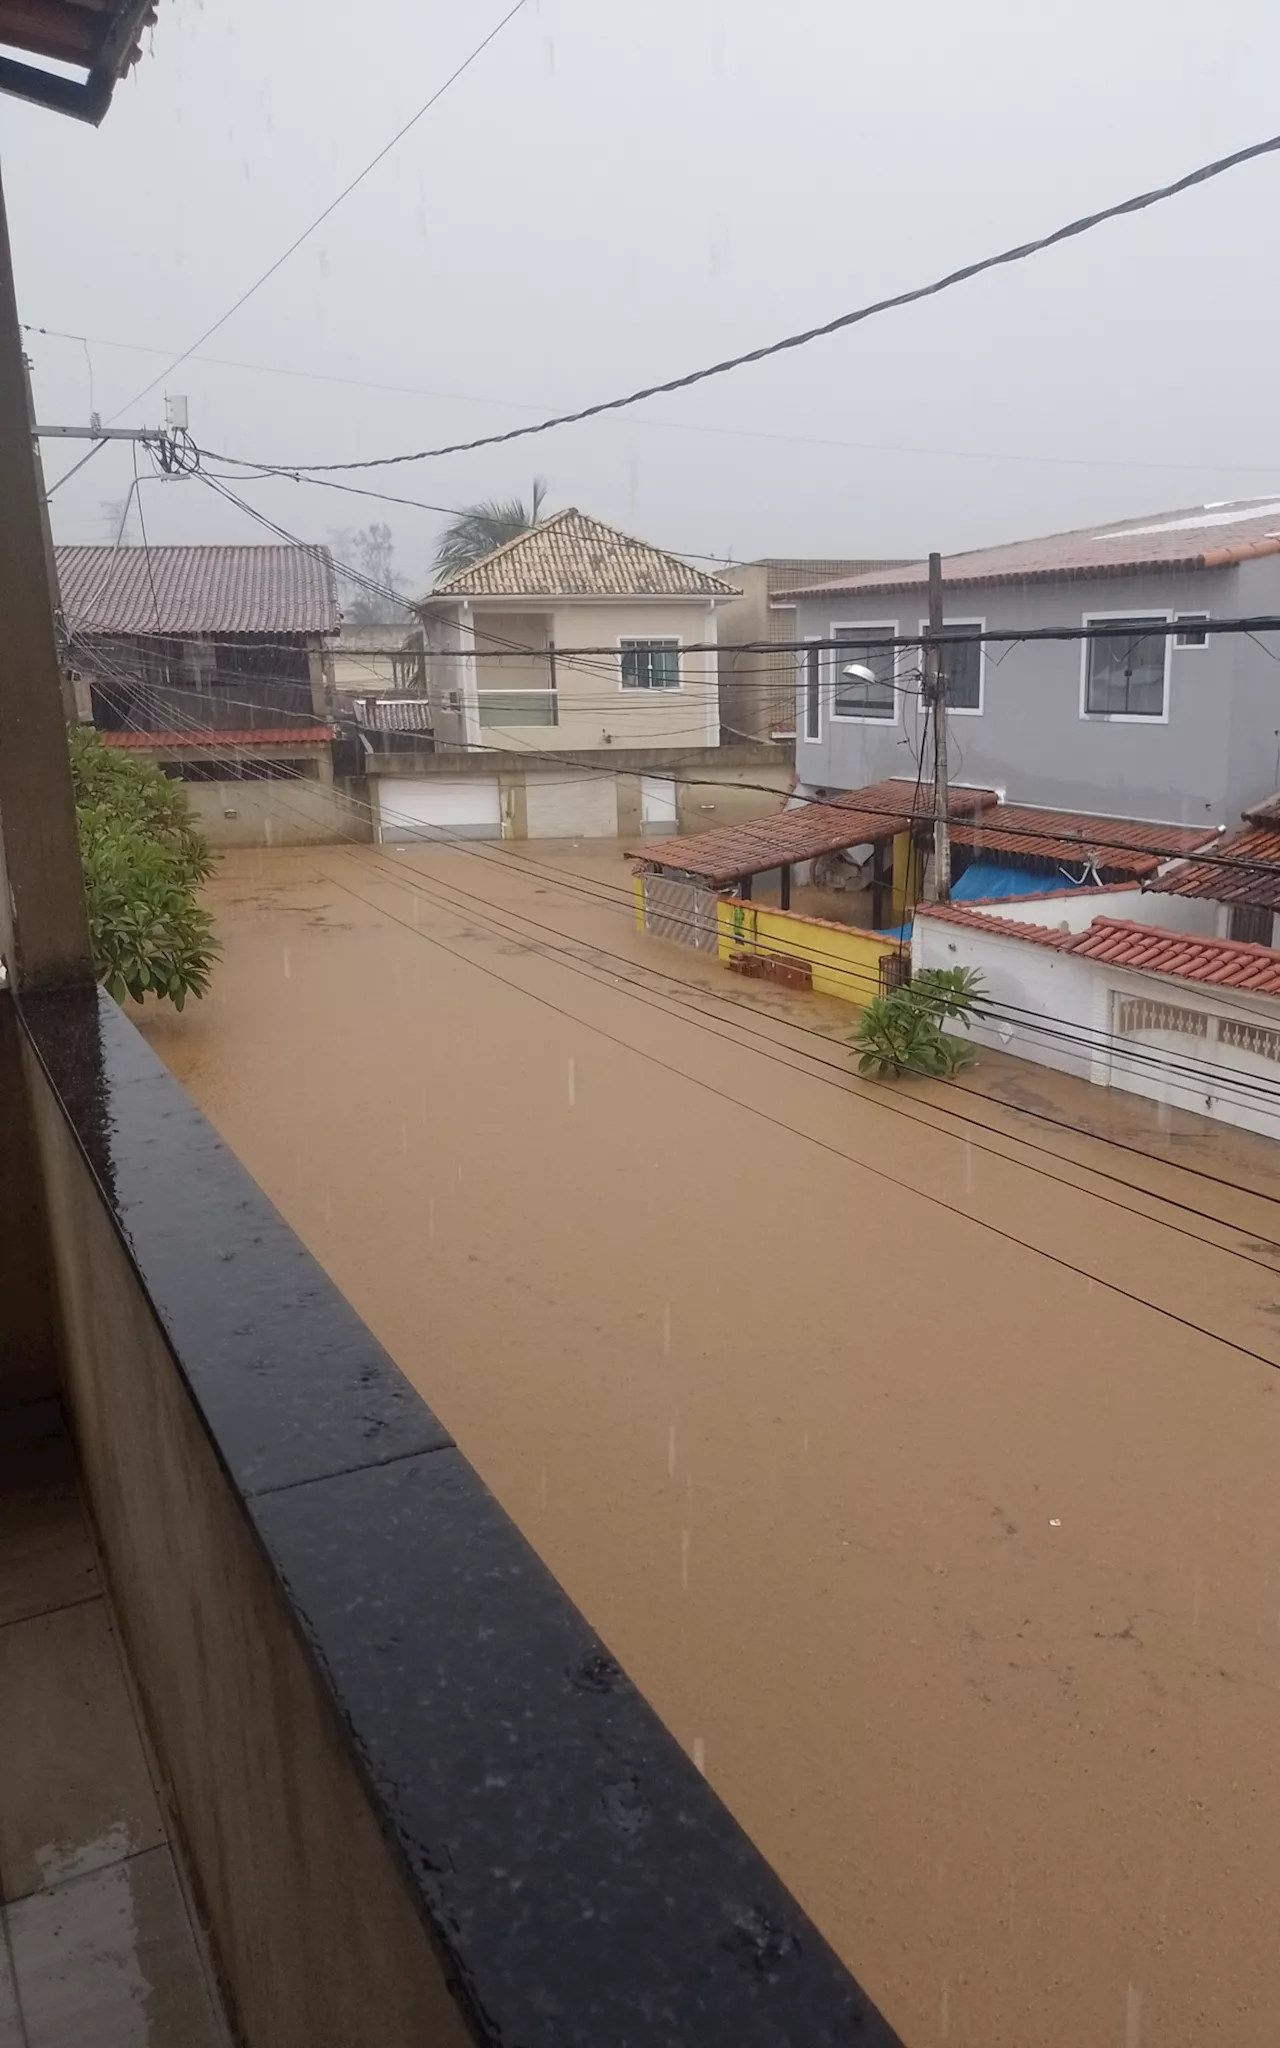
[(332, 207), (1194, 1074), (1019, 254), (835, 1151), (669, 426), (526, 864), (860, 1089)]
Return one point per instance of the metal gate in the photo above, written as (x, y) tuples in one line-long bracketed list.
[(684, 912)]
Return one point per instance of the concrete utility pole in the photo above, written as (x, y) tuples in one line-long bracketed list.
[(75, 696), (935, 697)]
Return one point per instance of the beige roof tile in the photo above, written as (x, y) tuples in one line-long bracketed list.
[(570, 555)]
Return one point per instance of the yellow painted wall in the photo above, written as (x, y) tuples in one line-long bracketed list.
[(906, 877), (845, 960)]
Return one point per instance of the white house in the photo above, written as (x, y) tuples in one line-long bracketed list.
[(1127, 988), (500, 636)]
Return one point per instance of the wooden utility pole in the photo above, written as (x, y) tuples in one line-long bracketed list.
[(935, 697)]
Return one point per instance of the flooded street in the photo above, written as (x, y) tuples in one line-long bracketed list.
[(919, 1463)]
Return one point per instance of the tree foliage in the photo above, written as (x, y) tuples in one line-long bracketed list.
[(901, 1033), (479, 529), (370, 550), (142, 858)]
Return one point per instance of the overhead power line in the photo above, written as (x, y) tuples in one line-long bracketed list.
[(1082, 226), (332, 207), (1021, 457)]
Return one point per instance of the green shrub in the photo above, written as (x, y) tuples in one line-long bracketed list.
[(142, 858), (901, 1033)]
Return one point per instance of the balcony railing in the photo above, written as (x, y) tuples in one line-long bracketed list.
[(518, 707)]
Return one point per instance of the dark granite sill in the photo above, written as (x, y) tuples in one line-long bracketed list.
[(582, 1882)]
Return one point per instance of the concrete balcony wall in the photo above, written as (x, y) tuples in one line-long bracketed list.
[(312, 1919)]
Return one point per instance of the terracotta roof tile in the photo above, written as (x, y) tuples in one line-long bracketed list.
[(989, 920), (1126, 846), (727, 853), (1219, 878), (1223, 963), (209, 740), (1141, 948), (175, 591), (570, 555), (1200, 537)]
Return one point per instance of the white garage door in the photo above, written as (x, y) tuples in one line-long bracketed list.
[(658, 811), (574, 804), (438, 807)]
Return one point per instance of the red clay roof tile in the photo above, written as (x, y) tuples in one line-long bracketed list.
[(1221, 874), (210, 740), (856, 817)]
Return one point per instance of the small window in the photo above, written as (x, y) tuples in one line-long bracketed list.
[(962, 665), (1125, 669), (650, 664), (811, 680), (1191, 631), (866, 645), (1250, 922)]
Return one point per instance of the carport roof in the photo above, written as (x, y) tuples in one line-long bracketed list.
[(1245, 869), (1123, 846), (729, 853)]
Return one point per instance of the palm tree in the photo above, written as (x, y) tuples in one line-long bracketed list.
[(478, 529)]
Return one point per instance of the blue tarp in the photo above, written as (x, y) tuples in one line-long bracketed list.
[(983, 878)]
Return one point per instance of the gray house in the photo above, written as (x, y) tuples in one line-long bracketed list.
[(1184, 729)]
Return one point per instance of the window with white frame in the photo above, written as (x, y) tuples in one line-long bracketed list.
[(650, 664), (962, 661), (810, 666), (869, 647), (1125, 668), (1191, 631)]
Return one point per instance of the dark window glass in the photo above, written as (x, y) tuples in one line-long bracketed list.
[(852, 697), (811, 669), (1126, 670), (650, 664)]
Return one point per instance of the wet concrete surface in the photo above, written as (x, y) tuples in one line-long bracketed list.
[(99, 1947), (915, 1454)]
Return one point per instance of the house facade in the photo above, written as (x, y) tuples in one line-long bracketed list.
[(757, 697), (1183, 728), (572, 687), (1125, 989), (499, 638), (216, 664)]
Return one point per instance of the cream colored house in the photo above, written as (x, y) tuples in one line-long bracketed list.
[(501, 635)]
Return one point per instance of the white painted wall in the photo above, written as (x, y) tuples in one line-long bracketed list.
[(1045, 1000), (1061, 1011), (1075, 910)]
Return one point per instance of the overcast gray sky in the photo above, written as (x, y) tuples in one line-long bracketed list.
[(615, 193)]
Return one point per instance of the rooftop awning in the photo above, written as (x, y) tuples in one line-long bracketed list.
[(858, 817)]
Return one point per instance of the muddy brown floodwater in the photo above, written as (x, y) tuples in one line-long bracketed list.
[(924, 1473)]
